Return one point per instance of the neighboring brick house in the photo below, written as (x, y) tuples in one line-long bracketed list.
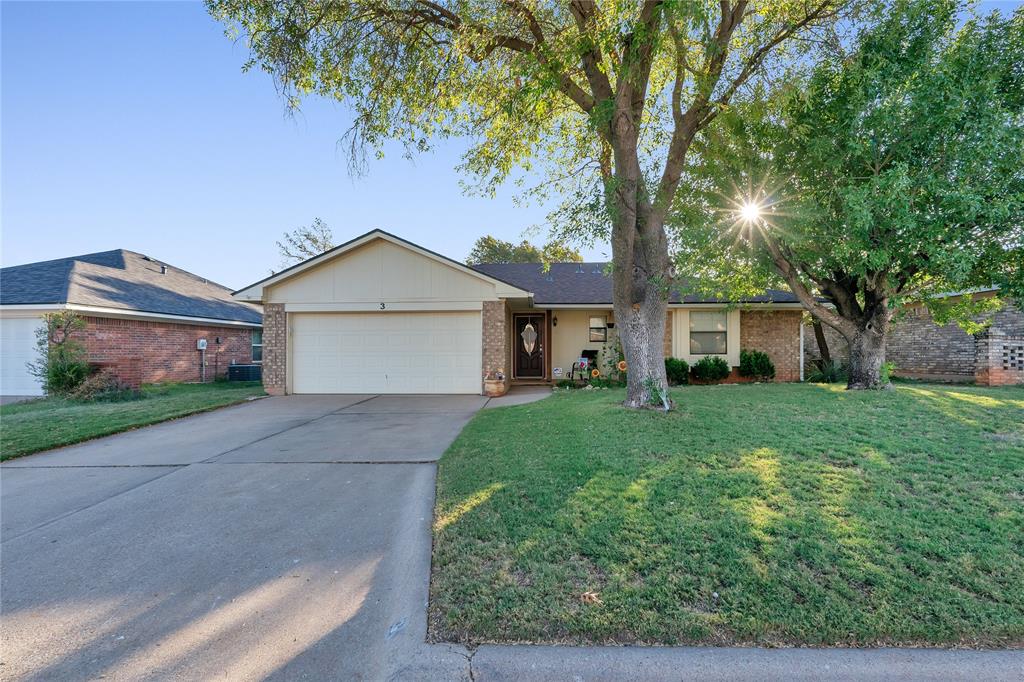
[(379, 314), (143, 318), (922, 349)]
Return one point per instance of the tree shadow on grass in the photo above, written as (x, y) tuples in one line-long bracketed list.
[(838, 533)]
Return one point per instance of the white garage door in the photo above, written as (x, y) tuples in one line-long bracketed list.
[(386, 352), (17, 348)]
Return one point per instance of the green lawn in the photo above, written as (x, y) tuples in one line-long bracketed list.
[(51, 422), (760, 514)]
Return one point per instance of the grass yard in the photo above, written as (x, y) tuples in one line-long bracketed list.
[(51, 422), (754, 514)]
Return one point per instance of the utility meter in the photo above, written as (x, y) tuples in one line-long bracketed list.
[(201, 344)]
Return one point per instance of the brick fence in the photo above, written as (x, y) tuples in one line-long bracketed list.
[(922, 349), (1000, 360)]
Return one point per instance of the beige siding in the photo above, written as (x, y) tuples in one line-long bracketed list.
[(681, 337), (381, 272), (572, 335)]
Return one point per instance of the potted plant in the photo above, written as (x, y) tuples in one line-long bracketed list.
[(495, 384)]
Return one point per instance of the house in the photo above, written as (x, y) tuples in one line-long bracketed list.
[(379, 314), (144, 318), (920, 348)]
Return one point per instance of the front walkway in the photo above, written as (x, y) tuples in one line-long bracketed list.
[(290, 538)]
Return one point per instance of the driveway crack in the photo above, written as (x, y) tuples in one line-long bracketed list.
[(209, 460)]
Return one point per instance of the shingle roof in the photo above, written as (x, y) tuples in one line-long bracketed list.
[(125, 280), (584, 283)]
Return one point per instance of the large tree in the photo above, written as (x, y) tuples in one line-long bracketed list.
[(607, 96), (894, 173), (490, 249)]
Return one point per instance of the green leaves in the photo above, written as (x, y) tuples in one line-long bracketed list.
[(488, 249), (899, 167)]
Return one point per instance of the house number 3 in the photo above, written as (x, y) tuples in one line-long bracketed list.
[(382, 306)]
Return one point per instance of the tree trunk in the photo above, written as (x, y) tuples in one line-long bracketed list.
[(819, 336), (642, 332), (640, 279), (641, 306), (867, 352)]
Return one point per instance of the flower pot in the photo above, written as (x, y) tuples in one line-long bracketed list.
[(495, 387)]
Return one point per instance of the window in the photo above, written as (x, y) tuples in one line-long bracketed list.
[(257, 345), (598, 329), (708, 333)]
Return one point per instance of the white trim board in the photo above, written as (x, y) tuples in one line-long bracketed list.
[(101, 311)]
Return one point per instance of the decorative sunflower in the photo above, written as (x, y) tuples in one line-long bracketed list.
[(621, 366), (595, 373)]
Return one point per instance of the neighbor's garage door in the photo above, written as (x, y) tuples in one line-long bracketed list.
[(18, 347), (386, 352)]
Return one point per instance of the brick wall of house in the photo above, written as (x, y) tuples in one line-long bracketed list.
[(142, 351), (496, 338), (275, 348), (922, 349), (776, 333)]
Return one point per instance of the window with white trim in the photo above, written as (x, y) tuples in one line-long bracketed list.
[(257, 345), (708, 333), (599, 329)]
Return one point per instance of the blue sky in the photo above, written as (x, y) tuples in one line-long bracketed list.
[(130, 125)]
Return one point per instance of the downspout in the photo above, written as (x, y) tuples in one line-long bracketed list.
[(801, 350)]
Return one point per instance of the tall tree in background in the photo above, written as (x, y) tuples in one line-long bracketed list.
[(305, 242), (606, 96), (892, 175), (490, 249)]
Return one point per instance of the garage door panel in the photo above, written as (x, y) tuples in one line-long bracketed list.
[(17, 349), (386, 352)]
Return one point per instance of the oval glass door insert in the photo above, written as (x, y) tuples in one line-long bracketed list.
[(529, 335)]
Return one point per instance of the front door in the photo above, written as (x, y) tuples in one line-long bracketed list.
[(529, 340)]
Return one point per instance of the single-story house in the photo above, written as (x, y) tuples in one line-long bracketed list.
[(145, 319), (379, 314), (922, 349)]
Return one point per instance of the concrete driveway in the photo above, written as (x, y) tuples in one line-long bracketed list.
[(288, 538)]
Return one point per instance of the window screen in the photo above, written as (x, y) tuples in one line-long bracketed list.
[(708, 333), (257, 345)]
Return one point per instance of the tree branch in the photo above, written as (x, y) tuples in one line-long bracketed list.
[(796, 285), (566, 84), (756, 59), (583, 12)]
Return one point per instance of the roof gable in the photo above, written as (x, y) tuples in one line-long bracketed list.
[(377, 266)]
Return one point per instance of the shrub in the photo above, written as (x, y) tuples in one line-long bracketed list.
[(711, 368), (103, 385), (756, 365), (885, 374), (607, 382), (832, 372), (677, 371), (61, 363)]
